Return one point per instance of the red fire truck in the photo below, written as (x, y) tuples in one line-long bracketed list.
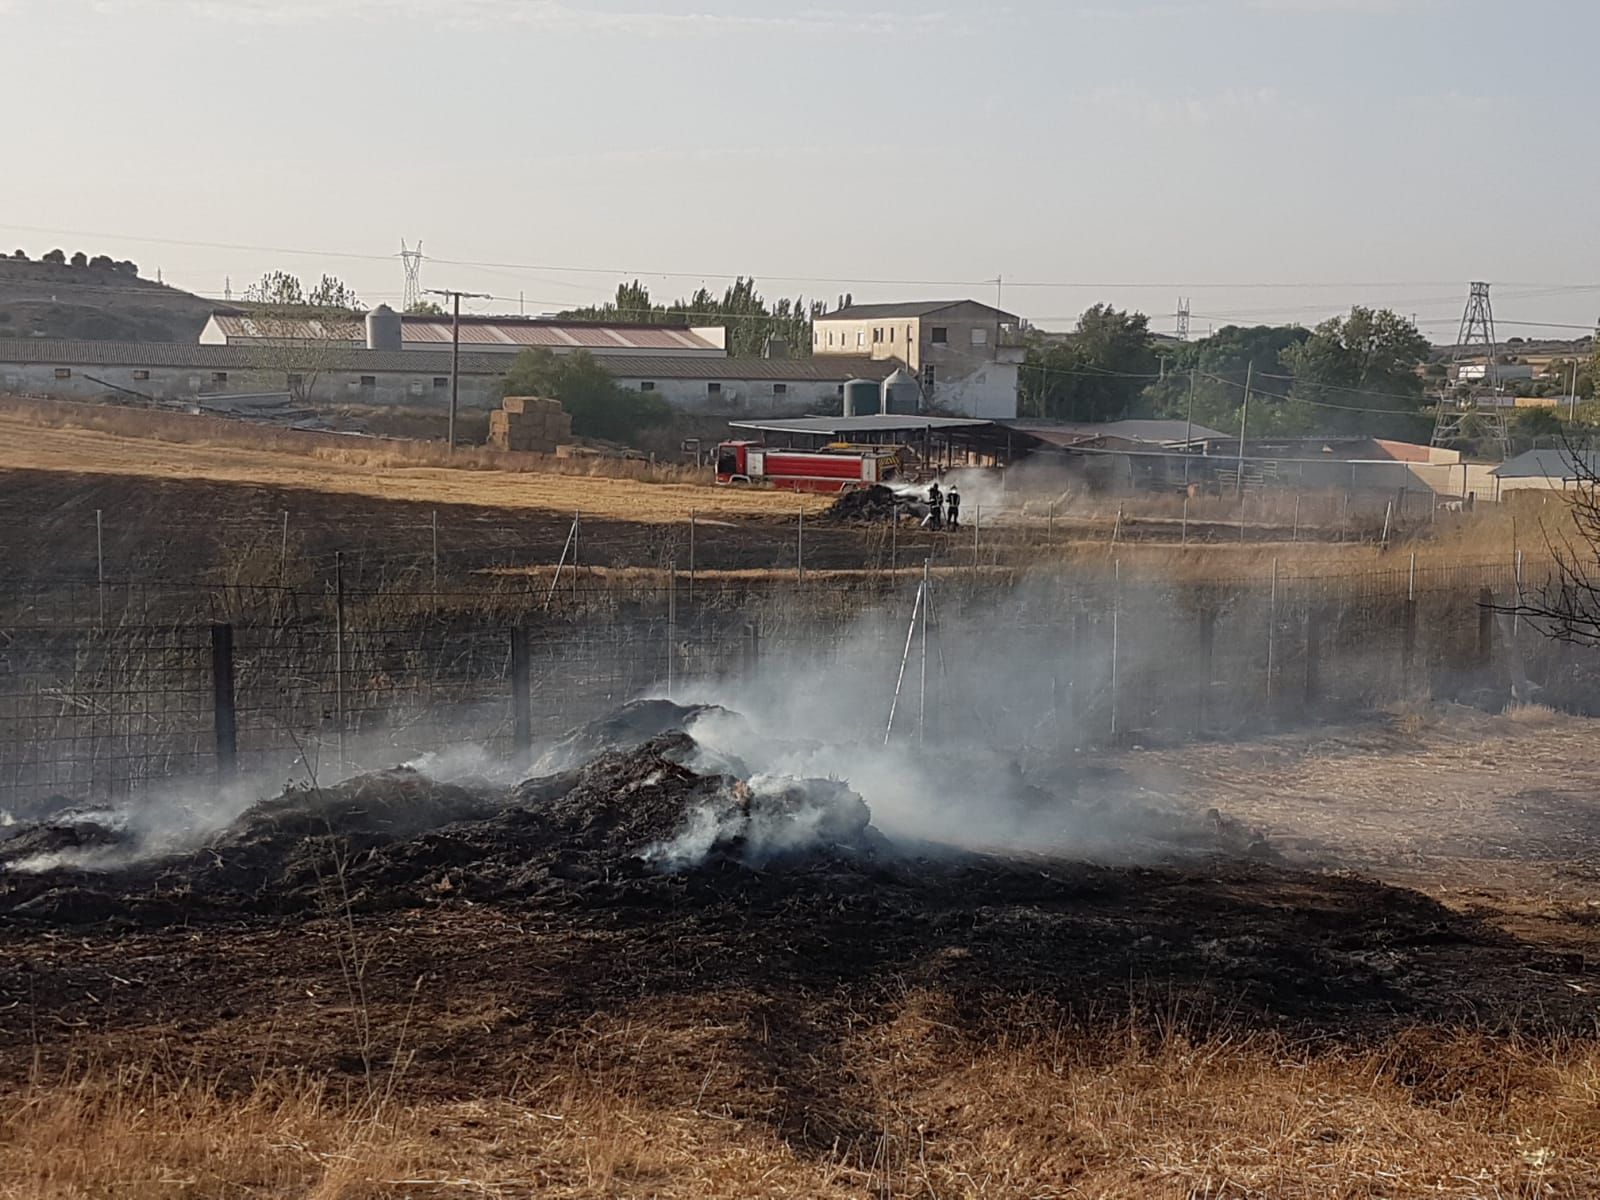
[(828, 470)]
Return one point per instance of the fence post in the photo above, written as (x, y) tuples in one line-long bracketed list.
[(1313, 683), (691, 557), (800, 546), (1485, 627), (100, 562), (1116, 604), (521, 695), (338, 653), (752, 647), (224, 718), (1272, 628), (436, 556), (1208, 646), (977, 522)]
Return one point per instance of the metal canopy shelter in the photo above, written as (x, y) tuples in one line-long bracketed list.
[(934, 438)]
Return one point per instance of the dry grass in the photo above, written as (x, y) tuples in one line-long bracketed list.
[(1038, 1108), (104, 440)]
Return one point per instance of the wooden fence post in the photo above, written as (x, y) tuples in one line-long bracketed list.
[(521, 695), (224, 715), (1485, 627)]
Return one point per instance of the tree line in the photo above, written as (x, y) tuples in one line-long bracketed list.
[(1367, 372), (81, 261), (748, 317)]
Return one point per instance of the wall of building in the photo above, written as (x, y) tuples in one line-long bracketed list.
[(187, 384), (762, 398), (973, 365)]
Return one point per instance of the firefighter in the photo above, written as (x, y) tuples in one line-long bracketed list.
[(952, 500), (935, 518)]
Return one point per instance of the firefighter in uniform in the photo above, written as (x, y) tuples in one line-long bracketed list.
[(952, 501), (935, 516)]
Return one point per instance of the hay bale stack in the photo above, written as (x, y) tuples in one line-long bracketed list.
[(529, 423)]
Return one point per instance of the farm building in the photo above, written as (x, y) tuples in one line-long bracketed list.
[(965, 354), (479, 334), (322, 373), (1547, 470)]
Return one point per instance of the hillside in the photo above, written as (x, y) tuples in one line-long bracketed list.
[(51, 300)]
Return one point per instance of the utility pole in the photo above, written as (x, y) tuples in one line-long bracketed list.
[(455, 351), (1244, 419)]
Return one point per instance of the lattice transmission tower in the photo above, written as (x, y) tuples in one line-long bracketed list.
[(412, 261), (1479, 412), (1183, 321)]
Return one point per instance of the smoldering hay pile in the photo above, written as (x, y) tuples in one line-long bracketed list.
[(629, 809)]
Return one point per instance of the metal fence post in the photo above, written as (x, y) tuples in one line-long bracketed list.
[(1485, 627), (338, 653), (1208, 647), (224, 718), (1313, 681), (521, 695), (100, 562)]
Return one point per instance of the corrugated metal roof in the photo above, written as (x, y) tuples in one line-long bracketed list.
[(507, 332), (908, 308), (1160, 432), (878, 423), (180, 355), (795, 370), (1549, 464)]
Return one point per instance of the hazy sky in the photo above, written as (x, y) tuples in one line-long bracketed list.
[(1387, 150)]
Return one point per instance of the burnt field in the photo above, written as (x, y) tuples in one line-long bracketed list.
[(188, 530), (1359, 960)]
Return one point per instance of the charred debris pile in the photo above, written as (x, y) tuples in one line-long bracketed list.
[(628, 810)]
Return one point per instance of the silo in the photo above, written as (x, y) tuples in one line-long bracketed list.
[(384, 329), (860, 398), (901, 393)]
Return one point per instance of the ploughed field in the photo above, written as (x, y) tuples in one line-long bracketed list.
[(1353, 961)]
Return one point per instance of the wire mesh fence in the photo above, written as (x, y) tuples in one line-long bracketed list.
[(296, 684)]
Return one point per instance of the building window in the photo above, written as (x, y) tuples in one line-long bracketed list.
[(647, 385), (440, 382), (980, 337), (927, 379), (830, 337), (296, 380), (780, 389), (877, 335), (219, 377), (63, 372), (908, 335), (415, 387), (891, 335), (861, 338), (141, 375), (939, 335), (713, 388), (369, 381)]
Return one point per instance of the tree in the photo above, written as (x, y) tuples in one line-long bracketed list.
[(80, 259), (1362, 373), (331, 292), (1099, 373), (425, 308), (20, 255), (599, 407), (1531, 424), (101, 262), (748, 319), (128, 267), (277, 289), (59, 257), (1217, 368)]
